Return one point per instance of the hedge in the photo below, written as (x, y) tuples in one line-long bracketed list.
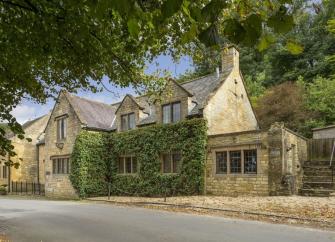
[(95, 156)]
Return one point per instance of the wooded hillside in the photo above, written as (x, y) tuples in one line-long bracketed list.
[(295, 88)]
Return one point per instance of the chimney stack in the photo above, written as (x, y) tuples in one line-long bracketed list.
[(230, 58)]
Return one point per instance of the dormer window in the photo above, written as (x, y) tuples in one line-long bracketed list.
[(128, 121), (61, 128), (171, 113)]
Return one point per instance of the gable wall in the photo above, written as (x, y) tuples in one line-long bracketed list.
[(128, 106), (172, 93), (59, 185), (227, 113)]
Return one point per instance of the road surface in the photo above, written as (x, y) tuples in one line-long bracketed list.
[(39, 220)]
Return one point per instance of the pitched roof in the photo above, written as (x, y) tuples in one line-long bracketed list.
[(95, 115), (203, 87), (36, 132), (133, 99), (326, 127)]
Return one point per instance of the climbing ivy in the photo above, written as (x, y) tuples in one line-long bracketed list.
[(95, 157)]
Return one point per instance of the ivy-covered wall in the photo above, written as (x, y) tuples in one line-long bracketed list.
[(95, 157)]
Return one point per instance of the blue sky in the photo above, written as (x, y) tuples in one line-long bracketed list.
[(29, 110)]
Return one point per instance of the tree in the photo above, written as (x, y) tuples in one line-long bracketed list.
[(321, 99), (49, 45), (284, 103)]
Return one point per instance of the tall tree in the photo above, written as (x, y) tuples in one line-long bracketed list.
[(46, 45), (284, 103)]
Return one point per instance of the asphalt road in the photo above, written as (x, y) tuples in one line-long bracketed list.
[(38, 220)]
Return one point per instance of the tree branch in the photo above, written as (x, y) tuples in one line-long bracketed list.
[(17, 5)]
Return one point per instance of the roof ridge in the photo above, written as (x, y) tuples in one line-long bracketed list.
[(197, 78), (90, 100), (30, 122)]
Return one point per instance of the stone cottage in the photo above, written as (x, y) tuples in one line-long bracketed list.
[(241, 158), (27, 154)]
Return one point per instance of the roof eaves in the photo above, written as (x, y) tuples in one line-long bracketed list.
[(326, 127), (183, 88)]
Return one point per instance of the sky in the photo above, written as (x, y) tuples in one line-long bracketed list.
[(28, 110)]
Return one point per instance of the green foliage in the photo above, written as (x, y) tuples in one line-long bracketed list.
[(321, 99), (284, 103), (3, 190), (48, 45), (95, 156), (89, 163)]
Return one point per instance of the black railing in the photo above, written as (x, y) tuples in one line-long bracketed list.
[(27, 188)]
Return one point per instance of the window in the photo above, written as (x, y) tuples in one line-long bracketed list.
[(4, 171), (127, 165), (250, 161), (235, 161), (171, 162), (61, 128), (221, 162), (60, 165), (127, 121), (171, 113)]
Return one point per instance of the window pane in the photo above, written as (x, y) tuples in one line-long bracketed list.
[(121, 165), (134, 165), (166, 114), (166, 163), (132, 121), (59, 166), (128, 164), (58, 130), (64, 128), (4, 172), (176, 112), (124, 122), (250, 161), (176, 157), (235, 161), (63, 164), (54, 166), (221, 162)]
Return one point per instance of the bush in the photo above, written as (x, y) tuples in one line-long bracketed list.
[(95, 156), (3, 190)]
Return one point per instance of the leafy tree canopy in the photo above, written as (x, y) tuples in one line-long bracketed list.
[(49, 45)]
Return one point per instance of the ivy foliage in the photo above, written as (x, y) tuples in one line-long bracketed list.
[(95, 157)]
